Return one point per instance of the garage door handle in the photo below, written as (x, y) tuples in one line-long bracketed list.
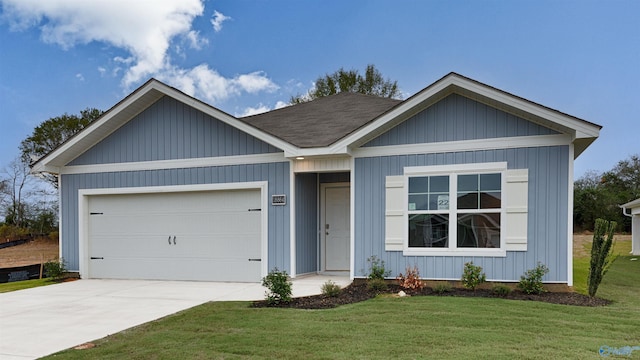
[(255, 259), (169, 239), (174, 240), (97, 258)]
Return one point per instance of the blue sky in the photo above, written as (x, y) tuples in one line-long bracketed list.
[(61, 56)]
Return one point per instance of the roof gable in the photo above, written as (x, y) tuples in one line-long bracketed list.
[(327, 126)]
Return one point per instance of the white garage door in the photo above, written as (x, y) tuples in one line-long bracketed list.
[(201, 235)]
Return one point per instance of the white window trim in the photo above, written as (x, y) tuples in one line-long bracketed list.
[(478, 168)]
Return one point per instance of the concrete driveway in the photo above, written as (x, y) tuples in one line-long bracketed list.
[(44, 320)]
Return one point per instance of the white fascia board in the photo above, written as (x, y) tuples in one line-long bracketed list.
[(581, 128), (464, 145), (174, 164), (49, 160), (571, 126), (138, 101), (631, 205)]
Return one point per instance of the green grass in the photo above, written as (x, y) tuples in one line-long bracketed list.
[(26, 284), (389, 327)]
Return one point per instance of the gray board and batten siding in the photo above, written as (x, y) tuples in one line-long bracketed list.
[(168, 130), (458, 118)]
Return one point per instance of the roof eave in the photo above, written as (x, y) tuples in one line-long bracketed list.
[(128, 108)]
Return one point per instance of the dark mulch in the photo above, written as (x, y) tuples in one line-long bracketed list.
[(357, 292)]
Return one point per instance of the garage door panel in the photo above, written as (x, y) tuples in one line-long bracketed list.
[(132, 236)]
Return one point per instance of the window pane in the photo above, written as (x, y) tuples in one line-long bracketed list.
[(478, 230), (468, 200), (418, 184), (439, 202), (418, 202), (428, 230), (439, 184), (490, 182), (490, 200), (467, 182)]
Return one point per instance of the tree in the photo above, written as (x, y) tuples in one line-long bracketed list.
[(598, 195), (16, 180), (52, 133), (372, 83)]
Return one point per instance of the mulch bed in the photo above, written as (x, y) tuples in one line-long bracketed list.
[(357, 292)]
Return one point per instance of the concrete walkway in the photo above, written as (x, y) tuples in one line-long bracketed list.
[(44, 320)]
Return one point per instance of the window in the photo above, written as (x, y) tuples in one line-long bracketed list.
[(476, 209), (459, 210)]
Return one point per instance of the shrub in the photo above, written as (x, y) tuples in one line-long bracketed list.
[(411, 280), (55, 269), (377, 284), (442, 288), (601, 253), (472, 276), (531, 281), (279, 287), (377, 269), (501, 289), (330, 289)]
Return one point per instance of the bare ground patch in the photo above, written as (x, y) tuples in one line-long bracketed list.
[(33, 252)]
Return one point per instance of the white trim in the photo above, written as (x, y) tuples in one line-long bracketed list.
[(570, 218), (449, 170), (131, 106), (352, 211), (60, 219), (464, 145), (175, 163), (292, 220), (83, 218)]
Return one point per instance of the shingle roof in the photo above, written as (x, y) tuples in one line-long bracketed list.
[(323, 121)]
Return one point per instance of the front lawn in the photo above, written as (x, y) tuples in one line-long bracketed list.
[(25, 284), (390, 327)]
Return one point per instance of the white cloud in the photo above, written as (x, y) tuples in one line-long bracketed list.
[(102, 70), (195, 40), (217, 20), (145, 31), (281, 104), (254, 110), (207, 84), (79, 77)]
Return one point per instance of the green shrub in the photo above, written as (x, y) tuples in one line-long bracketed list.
[(501, 289), (411, 280), (601, 253), (377, 284), (376, 268), (330, 289), (55, 269), (531, 281), (472, 276), (442, 288), (279, 287)]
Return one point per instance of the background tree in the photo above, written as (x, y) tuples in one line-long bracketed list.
[(372, 83), (598, 195), (52, 133)]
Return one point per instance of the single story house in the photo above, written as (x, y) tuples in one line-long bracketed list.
[(634, 212), (164, 186)]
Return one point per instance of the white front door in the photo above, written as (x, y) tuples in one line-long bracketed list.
[(336, 227)]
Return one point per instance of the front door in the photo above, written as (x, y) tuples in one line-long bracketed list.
[(336, 227)]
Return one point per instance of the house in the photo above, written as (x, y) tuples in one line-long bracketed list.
[(634, 208), (164, 186)]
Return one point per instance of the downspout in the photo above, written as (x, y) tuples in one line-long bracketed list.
[(624, 212)]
